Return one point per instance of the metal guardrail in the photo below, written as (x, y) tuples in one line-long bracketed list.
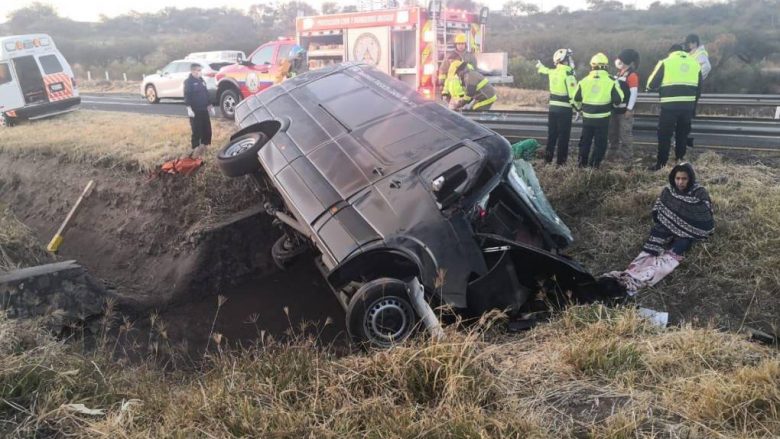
[(747, 100), (715, 132)]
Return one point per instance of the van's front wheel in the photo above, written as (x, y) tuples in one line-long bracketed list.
[(380, 314), (6, 121)]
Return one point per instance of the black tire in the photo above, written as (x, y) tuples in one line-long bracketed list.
[(239, 156), (380, 314), (285, 251), (151, 94), (228, 100)]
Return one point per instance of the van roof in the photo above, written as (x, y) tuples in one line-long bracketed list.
[(17, 45)]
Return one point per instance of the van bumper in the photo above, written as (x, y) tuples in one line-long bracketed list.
[(38, 111)]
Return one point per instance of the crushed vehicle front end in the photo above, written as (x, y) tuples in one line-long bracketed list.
[(387, 186)]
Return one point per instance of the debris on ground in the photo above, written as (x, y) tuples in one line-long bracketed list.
[(183, 165)]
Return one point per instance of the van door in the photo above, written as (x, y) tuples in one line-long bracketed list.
[(11, 96), (59, 84), (30, 79)]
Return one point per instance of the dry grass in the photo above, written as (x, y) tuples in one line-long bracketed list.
[(732, 279), (510, 98), (593, 372), (132, 142), (18, 247)]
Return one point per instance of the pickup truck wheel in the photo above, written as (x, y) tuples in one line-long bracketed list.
[(151, 95), (239, 157), (380, 314), (227, 103), (285, 250)]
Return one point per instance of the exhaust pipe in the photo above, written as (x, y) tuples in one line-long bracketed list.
[(287, 219), (424, 310)]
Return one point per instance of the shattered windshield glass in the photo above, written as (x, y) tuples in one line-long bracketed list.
[(523, 180)]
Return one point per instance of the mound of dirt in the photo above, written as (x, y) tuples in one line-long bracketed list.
[(158, 241)]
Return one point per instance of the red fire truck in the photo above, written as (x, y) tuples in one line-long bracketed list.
[(406, 43)]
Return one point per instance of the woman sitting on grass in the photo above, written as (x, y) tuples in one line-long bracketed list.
[(682, 216)]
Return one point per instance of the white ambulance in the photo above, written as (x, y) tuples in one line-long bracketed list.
[(35, 79)]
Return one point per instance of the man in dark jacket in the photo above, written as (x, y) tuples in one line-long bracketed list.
[(196, 96)]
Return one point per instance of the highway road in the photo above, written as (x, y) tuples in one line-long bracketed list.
[(709, 133), (131, 104)]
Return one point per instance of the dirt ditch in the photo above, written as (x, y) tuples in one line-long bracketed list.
[(162, 246)]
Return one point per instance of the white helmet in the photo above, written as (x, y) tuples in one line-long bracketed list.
[(561, 55)]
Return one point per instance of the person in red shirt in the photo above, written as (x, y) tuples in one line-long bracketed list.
[(621, 127)]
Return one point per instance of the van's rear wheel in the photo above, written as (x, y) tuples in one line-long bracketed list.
[(285, 250), (239, 157), (228, 100), (151, 94), (380, 314)]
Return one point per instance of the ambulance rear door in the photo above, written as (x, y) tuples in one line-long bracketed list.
[(11, 96), (370, 45)]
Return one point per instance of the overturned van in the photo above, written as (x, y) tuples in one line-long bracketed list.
[(398, 195), (35, 79)]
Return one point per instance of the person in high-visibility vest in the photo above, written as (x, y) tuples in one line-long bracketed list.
[(677, 79), (697, 50), (468, 88), (563, 86), (461, 53), (597, 94)]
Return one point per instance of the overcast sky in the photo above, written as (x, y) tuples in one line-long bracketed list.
[(90, 10)]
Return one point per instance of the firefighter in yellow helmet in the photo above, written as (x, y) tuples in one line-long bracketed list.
[(461, 53), (468, 88), (597, 94)]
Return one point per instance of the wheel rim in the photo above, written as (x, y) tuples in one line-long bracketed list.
[(238, 147), (228, 104), (150, 94), (387, 320)]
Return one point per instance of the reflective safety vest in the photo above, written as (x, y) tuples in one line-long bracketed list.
[(563, 86), (471, 85), (681, 78), (596, 90)]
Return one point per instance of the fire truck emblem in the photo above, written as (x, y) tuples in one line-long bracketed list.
[(367, 49), (252, 82)]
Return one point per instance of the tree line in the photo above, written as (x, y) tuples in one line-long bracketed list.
[(742, 36)]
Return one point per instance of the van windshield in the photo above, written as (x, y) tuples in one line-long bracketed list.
[(50, 64)]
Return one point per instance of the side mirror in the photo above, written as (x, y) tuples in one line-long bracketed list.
[(444, 185), (159, 72)]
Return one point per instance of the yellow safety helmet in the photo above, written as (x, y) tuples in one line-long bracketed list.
[(599, 60), (460, 38)]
